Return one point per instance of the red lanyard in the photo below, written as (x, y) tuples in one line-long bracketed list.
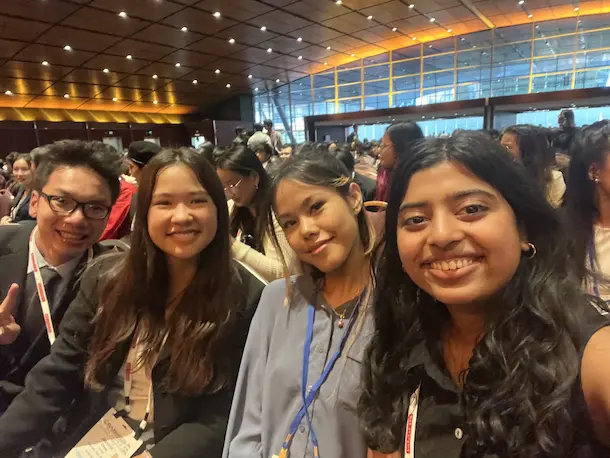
[(40, 289), (411, 424)]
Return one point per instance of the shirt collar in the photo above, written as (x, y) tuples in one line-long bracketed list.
[(64, 270), (420, 357)]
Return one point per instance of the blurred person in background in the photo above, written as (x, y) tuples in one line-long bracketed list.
[(266, 155), (276, 139), (351, 138), (286, 152), (247, 187), (155, 334), (241, 136), (258, 137), (22, 172), (529, 145), (566, 132), (73, 191), (395, 146)]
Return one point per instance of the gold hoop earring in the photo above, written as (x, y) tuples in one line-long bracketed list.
[(531, 253)]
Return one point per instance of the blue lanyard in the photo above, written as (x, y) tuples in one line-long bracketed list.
[(308, 398)]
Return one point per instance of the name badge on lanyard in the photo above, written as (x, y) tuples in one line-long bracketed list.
[(412, 424), (40, 289)]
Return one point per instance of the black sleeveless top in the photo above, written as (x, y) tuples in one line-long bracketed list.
[(441, 430)]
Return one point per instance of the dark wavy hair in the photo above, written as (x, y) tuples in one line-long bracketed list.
[(590, 147), (536, 154), (136, 292), (519, 386), (243, 161), (404, 134)]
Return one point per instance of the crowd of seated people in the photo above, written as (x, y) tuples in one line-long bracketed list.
[(255, 307)]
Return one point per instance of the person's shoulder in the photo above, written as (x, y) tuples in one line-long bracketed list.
[(15, 237)]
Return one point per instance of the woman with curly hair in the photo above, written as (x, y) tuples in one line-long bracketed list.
[(485, 345)]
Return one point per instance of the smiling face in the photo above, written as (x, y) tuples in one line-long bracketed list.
[(23, 173), (182, 219), (320, 224), (63, 236), (457, 236)]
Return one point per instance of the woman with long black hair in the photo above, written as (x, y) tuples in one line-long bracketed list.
[(396, 145), (530, 145), (484, 345), (247, 186), (299, 378), (587, 207), (23, 174), (155, 334)]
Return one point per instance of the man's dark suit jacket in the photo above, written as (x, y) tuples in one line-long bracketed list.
[(15, 363)]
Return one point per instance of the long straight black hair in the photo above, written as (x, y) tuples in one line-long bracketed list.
[(519, 385), (590, 147), (243, 161)]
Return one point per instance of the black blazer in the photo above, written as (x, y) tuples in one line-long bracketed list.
[(23, 214), (184, 427), (16, 360), (368, 186)]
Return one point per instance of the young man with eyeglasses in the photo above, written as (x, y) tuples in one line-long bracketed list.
[(74, 188)]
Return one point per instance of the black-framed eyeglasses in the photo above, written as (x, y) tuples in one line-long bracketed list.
[(230, 189), (66, 206)]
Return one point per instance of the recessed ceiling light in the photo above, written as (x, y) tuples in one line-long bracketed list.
[(263, 29), (155, 77), (370, 17), (576, 8), (338, 2), (232, 41), (269, 50), (328, 48), (177, 64), (430, 46), (432, 19), (155, 102), (325, 63), (114, 99), (449, 30), (228, 85), (217, 14), (45, 63), (250, 77), (217, 71), (530, 15), (414, 38), (299, 39), (353, 55), (128, 56), (106, 70), (277, 80), (412, 5), (521, 2), (123, 14), (394, 29), (256, 89), (300, 57), (67, 48), (66, 96), (184, 29), (8, 93), (195, 81)]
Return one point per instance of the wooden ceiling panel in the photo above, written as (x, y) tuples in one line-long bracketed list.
[(216, 46), (280, 21), (144, 82), (317, 10), (88, 41), (199, 21), (103, 21), (246, 34), (21, 29), (317, 33), (140, 49), (83, 75), (22, 86), (9, 48), (189, 58), (166, 35), (35, 9), (255, 55), (17, 69), (284, 44), (390, 11), (152, 10), (115, 63), (349, 23), (53, 55), (43, 101), (285, 62), (240, 10), (74, 90), (164, 70), (233, 66)]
